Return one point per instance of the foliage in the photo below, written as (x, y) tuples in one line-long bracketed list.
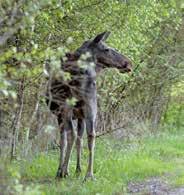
[(175, 112), (149, 32)]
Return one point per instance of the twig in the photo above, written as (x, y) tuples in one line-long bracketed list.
[(111, 131)]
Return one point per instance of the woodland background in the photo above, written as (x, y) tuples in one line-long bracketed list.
[(130, 106)]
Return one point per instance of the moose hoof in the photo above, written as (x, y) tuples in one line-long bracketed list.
[(66, 174), (77, 173), (58, 175), (61, 174), (89, 177)]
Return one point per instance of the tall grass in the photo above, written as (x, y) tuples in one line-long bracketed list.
[(116, 164)]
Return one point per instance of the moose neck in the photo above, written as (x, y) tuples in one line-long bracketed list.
[(98, 66)]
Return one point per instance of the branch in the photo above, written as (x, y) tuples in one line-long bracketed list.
[(11, 22), (111, 131)]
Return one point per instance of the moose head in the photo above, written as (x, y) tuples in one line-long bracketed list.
[(104, 56)]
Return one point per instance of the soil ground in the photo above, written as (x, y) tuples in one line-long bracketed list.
[(154, 186)]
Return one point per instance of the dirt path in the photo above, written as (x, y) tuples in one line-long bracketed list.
[(154, 186)]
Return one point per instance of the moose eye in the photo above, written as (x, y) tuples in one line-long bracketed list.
[(106, 50)]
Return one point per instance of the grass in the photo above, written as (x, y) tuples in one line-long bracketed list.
[(116, 164)]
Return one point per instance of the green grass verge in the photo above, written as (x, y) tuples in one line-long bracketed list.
[(116, 164)]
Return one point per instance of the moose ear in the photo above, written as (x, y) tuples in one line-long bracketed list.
[(71, 56), (101, 37)]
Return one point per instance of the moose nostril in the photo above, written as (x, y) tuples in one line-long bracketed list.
[(126, 63), (127, 66)]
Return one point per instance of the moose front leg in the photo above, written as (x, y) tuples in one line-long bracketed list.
[(80, 132), (91, 144)]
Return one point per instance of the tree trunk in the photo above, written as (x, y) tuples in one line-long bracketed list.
[(27, 133), (16, 122)]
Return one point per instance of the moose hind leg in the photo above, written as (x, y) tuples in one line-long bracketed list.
[(62, 151), (80, 132), (91, 144), (70, 141)]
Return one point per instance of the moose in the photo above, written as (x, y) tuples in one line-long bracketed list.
[(94, 55)]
